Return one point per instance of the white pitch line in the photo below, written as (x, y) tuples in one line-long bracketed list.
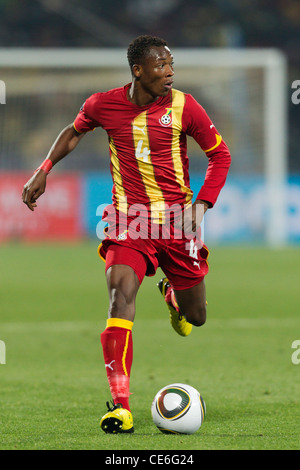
[(212, 323), (54, 327)]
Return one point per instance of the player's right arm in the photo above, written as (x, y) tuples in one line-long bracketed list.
[(66, 141)]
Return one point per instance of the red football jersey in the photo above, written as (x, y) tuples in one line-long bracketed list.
[(148, 149)]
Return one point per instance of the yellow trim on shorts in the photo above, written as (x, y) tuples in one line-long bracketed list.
[(98, 250)]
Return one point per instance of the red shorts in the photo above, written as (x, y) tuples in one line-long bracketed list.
[(183, 261)]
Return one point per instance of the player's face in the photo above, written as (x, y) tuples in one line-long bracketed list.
[(156, 72)]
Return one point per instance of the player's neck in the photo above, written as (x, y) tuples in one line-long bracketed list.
[(138, 95)]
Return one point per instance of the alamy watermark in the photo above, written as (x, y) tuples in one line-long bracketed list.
[(2, 92), (296, 94), (159, 221), (296, 354), (2, 352)]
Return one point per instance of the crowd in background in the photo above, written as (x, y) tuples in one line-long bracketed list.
[(184, 23)]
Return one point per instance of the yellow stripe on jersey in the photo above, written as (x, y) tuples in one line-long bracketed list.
[(178, 101), (219, 140), (117, 178), (143, 157)]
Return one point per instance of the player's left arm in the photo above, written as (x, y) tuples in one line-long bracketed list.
[(201, 128)]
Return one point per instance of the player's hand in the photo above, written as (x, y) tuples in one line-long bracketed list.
[(34, 188), (198, 210), (193, 216)]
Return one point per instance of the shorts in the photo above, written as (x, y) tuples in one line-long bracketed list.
[(183, 261)]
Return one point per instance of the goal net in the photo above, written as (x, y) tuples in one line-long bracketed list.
[(243, 91)]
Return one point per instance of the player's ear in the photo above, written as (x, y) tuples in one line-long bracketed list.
[(136, 71)]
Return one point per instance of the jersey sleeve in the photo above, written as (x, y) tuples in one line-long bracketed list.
[(86, 119), (198, 125)]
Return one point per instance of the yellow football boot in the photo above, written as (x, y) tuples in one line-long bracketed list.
[(178, 322), (117, 420)]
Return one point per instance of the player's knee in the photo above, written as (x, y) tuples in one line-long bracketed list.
[(197, 317)]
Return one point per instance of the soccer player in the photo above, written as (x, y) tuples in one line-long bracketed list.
[(147, 122)]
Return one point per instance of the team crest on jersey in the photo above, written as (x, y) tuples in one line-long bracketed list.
[(166, 119)]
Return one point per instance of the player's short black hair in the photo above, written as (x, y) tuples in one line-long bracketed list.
[(139, 48)]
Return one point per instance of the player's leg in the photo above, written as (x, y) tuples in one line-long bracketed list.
[(116, 339), (123, 282), (177, 319), (192, 303), (185, 266)]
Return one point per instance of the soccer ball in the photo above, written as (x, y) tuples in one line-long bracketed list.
[(178, 409)]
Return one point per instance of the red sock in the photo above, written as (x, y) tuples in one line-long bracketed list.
[(116, 342), (171, 299)]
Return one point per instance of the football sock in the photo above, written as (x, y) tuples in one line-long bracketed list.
[(171, 299), (116, 342)]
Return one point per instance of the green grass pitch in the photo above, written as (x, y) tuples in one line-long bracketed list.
[(53, 387)]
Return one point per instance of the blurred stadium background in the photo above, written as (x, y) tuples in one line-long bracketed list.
[(53, 55)]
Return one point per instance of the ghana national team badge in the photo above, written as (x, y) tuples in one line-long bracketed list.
[(166, 119)]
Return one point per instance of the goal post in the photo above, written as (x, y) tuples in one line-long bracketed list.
[(275, 118), (243, 90)]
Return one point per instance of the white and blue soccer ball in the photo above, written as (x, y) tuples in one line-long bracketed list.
[(178, 409)]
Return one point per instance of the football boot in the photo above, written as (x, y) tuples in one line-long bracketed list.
[(178, 322), (117, 420)]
